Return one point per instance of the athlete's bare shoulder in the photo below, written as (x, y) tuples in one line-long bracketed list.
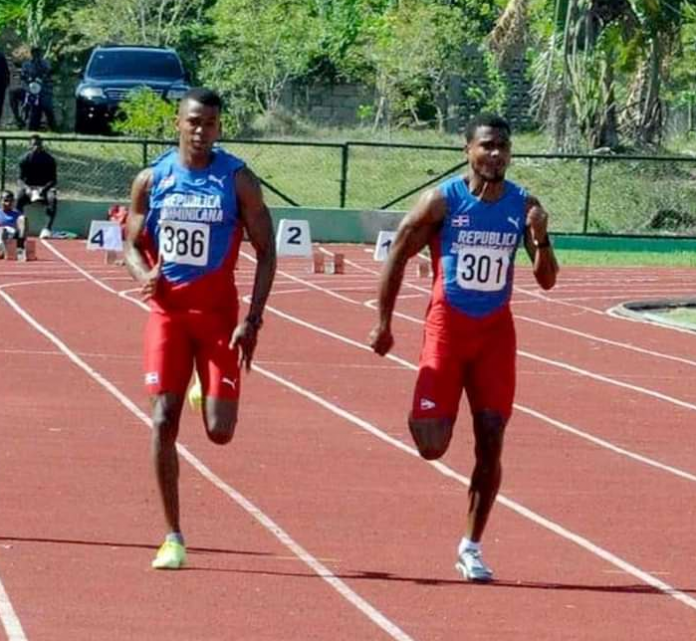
[(245, 178), (430, 209), (143, 181)]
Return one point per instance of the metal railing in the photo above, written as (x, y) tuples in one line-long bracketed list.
[(615, 194)]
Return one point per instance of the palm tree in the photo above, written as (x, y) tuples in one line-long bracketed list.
[(593, 45)]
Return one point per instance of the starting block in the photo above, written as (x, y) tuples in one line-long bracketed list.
[(335, 264), (30, 249), (318, 262), (10, 249), (328, 263)]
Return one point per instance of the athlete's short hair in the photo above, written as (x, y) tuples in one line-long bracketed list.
[(204, 96), (7, 194), (485, 119)]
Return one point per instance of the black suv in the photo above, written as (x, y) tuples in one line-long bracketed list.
[(113, 71)]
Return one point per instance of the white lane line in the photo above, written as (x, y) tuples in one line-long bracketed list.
[(582, 372), (551, 421), (285, 539), (76, 267), (9, 618), (526, 410), (568, 330), (610, 381), (513, 505), (542, 521), (25, 283)]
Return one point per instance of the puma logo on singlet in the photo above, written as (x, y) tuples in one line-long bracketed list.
[(229, 381), (219, 181), (514, 222)]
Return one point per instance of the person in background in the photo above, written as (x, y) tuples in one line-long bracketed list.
[(36, 68), (38, 177), (13, 224)]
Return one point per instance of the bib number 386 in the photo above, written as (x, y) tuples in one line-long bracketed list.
[(483, 269), (184, 243)]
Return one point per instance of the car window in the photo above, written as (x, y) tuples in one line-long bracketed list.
[(143, 64)]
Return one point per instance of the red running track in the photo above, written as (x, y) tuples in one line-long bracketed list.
[(318, 521)]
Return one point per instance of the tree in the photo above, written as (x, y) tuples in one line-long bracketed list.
[(605, 62), (137, 22), (258, 47), (414, 49), (658, 37), (34, 21)]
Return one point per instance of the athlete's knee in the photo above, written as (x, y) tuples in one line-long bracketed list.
[(166, 412), (220, 432), (489, 431), (220, 420), (431, 435)]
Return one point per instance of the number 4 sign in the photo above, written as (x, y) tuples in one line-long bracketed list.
[(293, 238), (104, 234)]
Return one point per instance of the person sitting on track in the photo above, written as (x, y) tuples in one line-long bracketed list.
[(187, 217), (13, 224), (472, 225)]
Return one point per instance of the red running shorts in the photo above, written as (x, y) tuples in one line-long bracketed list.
[(462, 353), (174, 341)]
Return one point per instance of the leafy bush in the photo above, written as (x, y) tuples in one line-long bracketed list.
[(146, 114)]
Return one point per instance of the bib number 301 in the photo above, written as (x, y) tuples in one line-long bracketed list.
[(483, 269), (184, 243)]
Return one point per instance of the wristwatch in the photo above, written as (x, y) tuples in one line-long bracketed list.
[(255, 321)]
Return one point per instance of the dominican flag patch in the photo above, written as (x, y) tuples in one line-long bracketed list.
[(461, 221), (152, 378)]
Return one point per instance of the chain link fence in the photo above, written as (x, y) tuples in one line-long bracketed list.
[(584, 193)]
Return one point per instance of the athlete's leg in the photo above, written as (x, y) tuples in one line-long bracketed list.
[(166, 414), (436, 397), (489, 428), (218, 370), (21, 231), (220, 417), (490, 386), (168, 365), (431, 435)]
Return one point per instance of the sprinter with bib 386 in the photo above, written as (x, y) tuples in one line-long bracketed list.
[(188, 215), (472, 225)]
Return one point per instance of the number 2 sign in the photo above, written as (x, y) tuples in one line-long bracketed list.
[(293, 238)]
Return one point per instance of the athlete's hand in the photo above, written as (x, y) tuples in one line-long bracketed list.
[(150, 280), (537, 219), (244, 338), (381, 340)]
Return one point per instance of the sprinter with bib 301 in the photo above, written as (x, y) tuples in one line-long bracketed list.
[(472, 225)]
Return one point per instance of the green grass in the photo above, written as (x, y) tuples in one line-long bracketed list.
[(680, 315), (626, 259), (625, 195)]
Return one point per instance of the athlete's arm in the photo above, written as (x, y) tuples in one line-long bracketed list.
[(414, 233), (538, 244), (259, 227), (132, 253)]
